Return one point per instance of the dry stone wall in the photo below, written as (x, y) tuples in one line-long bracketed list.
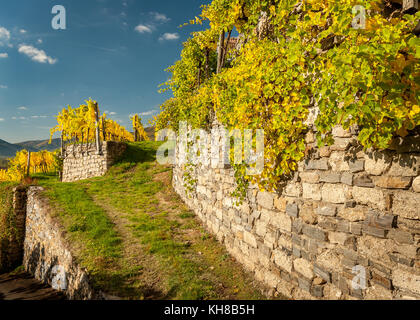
[(47, 254), (345, 216), (83, 161)]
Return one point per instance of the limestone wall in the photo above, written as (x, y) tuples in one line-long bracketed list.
[(11, 248), (47, 254), (343, 208), (82, 161)]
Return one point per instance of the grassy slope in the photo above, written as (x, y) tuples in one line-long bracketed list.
[(139, 240)]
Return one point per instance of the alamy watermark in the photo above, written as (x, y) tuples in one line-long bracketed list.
[(196, 146)]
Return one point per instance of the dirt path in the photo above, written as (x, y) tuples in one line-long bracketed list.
[(23, 286)]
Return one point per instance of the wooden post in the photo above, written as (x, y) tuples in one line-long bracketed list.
[(97, 135), (62, 145), (103, 129), (28, 164)]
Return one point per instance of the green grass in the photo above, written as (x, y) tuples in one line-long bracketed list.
[(173, 258)]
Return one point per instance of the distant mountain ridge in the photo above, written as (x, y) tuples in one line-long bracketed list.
[(8, 150)]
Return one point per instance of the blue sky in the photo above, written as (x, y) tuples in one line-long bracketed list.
[(114, 51)]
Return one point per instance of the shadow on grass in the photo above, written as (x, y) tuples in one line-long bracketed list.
[(136, 152)]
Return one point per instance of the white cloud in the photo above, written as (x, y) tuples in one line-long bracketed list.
[(169, 36), (36, 55), (2, 86), (112, 113), (141, 28), (1, 119), (4, 55), (39, 41), (160, 17), (148, 113), (23, 31), (38, 117), (4, 36), (22, 108)]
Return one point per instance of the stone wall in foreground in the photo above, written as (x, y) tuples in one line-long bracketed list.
[(47, 255), (343, 208), (83, 161)]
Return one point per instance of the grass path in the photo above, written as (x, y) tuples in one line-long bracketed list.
[(139, 240)]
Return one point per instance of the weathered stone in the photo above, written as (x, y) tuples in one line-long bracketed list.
[(321, 164), (341, 238), (327, 223), (406, 280), (342, 144), (330, 177), (405, 166), (293, 190), (307, 213), (317, 291), (304, 267), (282, 221), (320, 272), (283, 260), (347, 178), (311, 191), (357, 213), (309, 177), (363, 181), (314, 233), (392, 182), (374, 231), (265, 200), (334, 193), (328, 261), (292, 210), (356, 165), (368, 196), (375, 219), (250, 239), (338, 131), (280, 203), (377, 163), (406, 204), (324, 152), (416, 184), (355, 228), (337, 163), (327, 210), (401, 236)]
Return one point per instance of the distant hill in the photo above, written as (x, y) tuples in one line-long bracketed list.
[(41, 145), (8, 150)]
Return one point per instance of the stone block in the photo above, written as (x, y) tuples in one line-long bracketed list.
[(304, 267), (356, 165), (311, 191), (337, 162), (372, 197), (282, 221), (292, 210), (401, 236), (320, 272), (405, 166), (293, 190), (330, 177), (334, 193), (406, 204), (321, 164), (377, 163), (406, 281), (309, 177), (265, 200), (314, 232), (347, 178), (416, 184), (326, 210), (363, 181), (250, 239), (282, 260), (390, 182), (280, 203)]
